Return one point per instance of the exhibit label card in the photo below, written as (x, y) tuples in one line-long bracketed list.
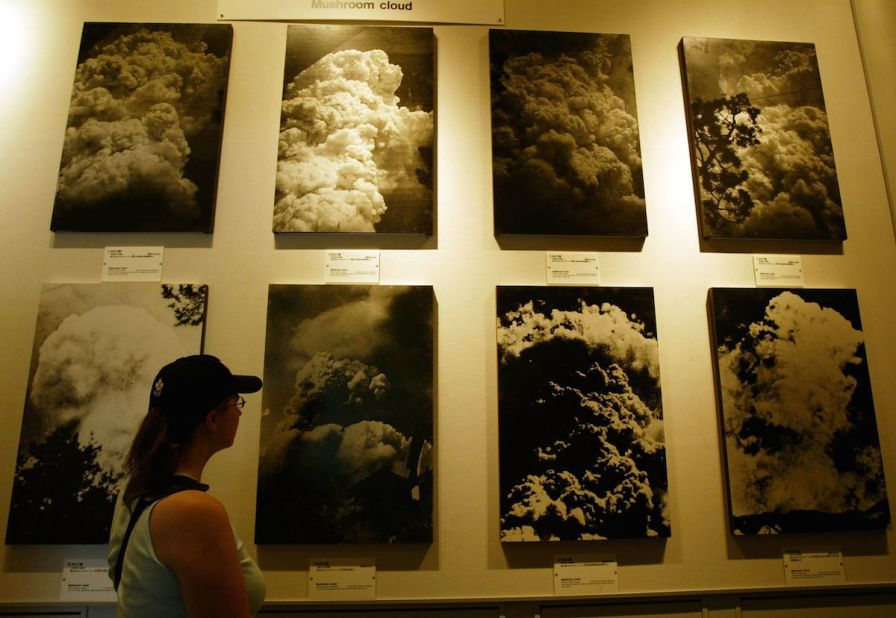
[(577, 268), (133, 264), (342, 579), (581, 575), (778, 270), (421, 11), (352, 267), (813, 568), (86, 581)]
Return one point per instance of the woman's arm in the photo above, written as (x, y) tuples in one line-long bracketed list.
[(192, 536)]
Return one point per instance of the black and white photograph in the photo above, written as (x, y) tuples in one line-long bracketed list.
[(580, 415), (566, 153), (760, 141), (97, 349), (798, 422), (143, 136), (356, 131), (347, 429)]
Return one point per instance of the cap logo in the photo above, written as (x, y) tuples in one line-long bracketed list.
[(157, 388)]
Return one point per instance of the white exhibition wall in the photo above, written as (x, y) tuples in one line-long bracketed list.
[(463, 262)]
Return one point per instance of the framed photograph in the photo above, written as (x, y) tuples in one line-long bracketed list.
[(97, 348), (580, 415), (356, 131), (800, 436), (760, 142), (143, 137), (566, 153), (347, 430)]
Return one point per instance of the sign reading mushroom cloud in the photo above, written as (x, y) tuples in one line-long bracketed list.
[(143, 135), (356, 131), (580, 417), (800, 436), (420, 11)]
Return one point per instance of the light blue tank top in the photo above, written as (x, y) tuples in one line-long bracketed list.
[(148, 588)]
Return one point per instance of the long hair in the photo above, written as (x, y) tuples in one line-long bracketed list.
[(152, 458)]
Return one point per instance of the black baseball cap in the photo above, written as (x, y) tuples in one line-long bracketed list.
[(188, 388)]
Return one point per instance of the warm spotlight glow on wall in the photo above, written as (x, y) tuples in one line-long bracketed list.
[(12, 43), (13, 38)]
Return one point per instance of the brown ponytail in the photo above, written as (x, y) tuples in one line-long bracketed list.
[(152, 458)]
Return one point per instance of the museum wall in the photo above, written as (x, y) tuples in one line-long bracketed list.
[(874, 25), (463, 262)]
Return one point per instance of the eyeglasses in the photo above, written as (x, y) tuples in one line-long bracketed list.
[(239, 403)]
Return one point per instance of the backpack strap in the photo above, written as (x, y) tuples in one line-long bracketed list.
[(176, 484)]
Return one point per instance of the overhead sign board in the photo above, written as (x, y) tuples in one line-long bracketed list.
[(419, 11)]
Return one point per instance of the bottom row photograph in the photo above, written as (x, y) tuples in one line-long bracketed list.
[(347, 419)]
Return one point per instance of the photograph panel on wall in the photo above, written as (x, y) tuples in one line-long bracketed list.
[(760, 142), (356, 131), (566, 154), (97, 349), (143, 137), (347, 429), (800, 436), (580, 416)]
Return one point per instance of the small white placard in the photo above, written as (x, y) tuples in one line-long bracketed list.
[(133, 263), (778, 270), (813, 568), (356, 266), (572, 268), (420, 11), (86, 581), (342, 579), (580, 575)]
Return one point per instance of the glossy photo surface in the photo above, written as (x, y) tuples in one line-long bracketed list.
[(800, 434), (97, 348), (582, 444), (347, 430)]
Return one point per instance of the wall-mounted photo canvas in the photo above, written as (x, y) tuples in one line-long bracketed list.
[(800, 436), (566, 154), (143, 136), (356, 131), (97, 348), (760, 142), (347, 429), (580, 415)]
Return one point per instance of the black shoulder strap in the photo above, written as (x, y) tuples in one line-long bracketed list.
[(177, 483)]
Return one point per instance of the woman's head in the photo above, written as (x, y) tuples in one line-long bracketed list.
[(190, 392), (191, 387)]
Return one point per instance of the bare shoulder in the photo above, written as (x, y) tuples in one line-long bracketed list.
[(189, 506), (191, 535), (188, 522)]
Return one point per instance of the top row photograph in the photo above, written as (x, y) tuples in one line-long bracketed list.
[(358, 120)]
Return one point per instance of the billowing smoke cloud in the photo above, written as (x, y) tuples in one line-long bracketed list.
[(134, 104), (328, 391), (347, 424), (788, 72), (354, 452), (596, 478), (606, 326), (96, 369), (346, 144), (566, 141), (792, 177), (350, 329), (582, 441), (787, 390)]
